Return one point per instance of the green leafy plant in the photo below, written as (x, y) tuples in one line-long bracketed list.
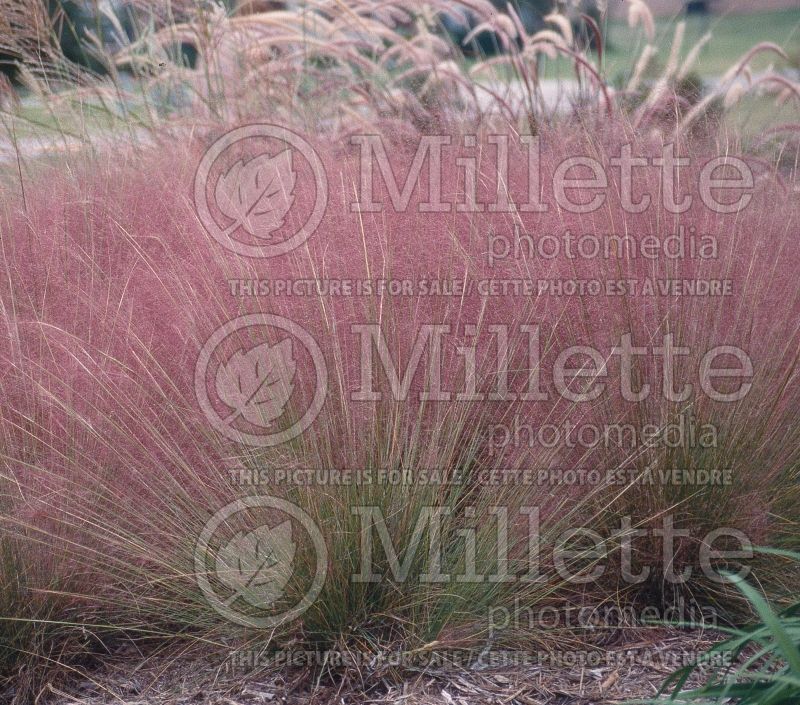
[(761, 663)]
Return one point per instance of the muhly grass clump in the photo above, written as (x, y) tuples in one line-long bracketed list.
[(110, 287), (110, 469)]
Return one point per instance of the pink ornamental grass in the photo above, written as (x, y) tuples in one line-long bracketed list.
[(111, 286)]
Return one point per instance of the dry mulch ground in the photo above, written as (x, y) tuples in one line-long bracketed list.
[(632, 669)]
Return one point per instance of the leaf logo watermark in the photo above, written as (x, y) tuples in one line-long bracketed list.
[(244, 202), (248, 575), (258, 193), (257, 384), (257, 565), (254, 394)]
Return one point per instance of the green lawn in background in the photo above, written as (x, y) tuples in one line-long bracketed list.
[(73, 117), (732, 36)]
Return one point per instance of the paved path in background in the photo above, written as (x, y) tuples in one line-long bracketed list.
[(32, 147), (558, 95)]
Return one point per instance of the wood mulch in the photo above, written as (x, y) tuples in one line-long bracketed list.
[(617, 674)]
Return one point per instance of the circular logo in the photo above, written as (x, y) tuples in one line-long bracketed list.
[(243, 201), (253, 566), (253, 378)]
